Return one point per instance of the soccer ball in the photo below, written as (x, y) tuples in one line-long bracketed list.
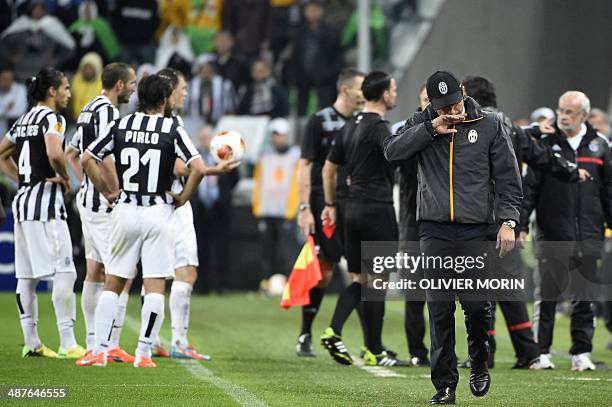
[(227, 145), (276, 285)]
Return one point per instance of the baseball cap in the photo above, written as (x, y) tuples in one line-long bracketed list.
[(279, 125), (443, 89)]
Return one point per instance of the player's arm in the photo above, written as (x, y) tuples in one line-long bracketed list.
[(54, 143), (197, 171), (330, 181), (108, 171), (96, 152), (180, 168), (305, 218), (74, 161), (7, 164), (106, 118)]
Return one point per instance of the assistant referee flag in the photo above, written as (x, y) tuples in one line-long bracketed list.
[(305, 275)]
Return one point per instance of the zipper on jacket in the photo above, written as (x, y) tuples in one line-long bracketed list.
[(450, 176)]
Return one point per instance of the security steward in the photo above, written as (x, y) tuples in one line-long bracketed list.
[(465, 160)]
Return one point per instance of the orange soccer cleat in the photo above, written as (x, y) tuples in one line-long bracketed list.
[(159, 351), (119, 355), (144, 362), (90, 359)]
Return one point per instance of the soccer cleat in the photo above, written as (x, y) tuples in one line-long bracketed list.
[(304, 346), (543, 362), (180, 352), (76, 352), (159, 351), (119, 355), (582, 362), (42, 351), (382, 359), (419, 362), (90, 359), (140, 361), (390, 352), (337, 350), (526, 364)]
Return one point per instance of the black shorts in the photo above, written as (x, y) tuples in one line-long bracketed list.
[(329, 250), (366, 221)]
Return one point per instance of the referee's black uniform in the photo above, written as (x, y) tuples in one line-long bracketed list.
[(369, 213)]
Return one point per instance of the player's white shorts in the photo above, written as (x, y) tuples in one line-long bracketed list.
[(143, 233), (42, 249), (185, 243), (96, 233)]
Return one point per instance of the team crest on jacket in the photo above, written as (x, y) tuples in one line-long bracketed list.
[(556, 147), (472, 136), (442, 88), (593, 146)]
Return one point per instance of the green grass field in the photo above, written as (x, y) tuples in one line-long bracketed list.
[(252, 343)]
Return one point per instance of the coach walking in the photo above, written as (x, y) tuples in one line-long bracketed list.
[(465, 160)]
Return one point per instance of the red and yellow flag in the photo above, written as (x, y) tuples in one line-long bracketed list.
[(305, 275)]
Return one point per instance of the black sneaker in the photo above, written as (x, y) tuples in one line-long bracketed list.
[(334, 345), (303, 348)]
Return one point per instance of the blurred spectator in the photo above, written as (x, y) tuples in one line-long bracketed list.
[(230, 64), (93, 33), (205, 20), (8, 12), (275, 201), (86, 83), (212, 214), (67, 10), (142, 71), (541, 114), (338, 12), (135, 23), (378, 32), (264, 96), (13, 98), (600, 121), (174, 51), (284, 17), (247, 20), (173, 12), (317, 58), (210, 96), (35, 40)]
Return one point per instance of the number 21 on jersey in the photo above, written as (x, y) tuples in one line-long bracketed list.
[(131, 156)]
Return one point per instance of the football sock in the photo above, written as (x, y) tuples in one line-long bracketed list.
[(27, 305), (64, 303), (309, 312), (180, 301), (119, 319), (152, 315), (89, 300), (374, 312), (347, 301), (106, 312)]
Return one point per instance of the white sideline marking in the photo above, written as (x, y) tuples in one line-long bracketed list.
[(586, 379), (240, 395), (378, 371)]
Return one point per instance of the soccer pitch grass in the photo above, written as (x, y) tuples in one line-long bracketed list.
[(251, 340)]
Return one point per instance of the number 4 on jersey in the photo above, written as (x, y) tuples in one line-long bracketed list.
[(24, 166)]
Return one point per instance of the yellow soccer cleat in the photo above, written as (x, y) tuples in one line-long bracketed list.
[(76, 352), (42, 351)]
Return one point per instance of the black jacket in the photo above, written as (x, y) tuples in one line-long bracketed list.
[(571, 211), (461, 175)]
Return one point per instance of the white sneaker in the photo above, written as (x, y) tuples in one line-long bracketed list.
[(582, 362), (543, 362)]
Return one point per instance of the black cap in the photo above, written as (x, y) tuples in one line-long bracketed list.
[(443, 89)]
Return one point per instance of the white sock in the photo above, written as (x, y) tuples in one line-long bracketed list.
[(89, 300), (152, 316), (27, 306), (119, 319), (64, 303), (180, 300), (106, 311)]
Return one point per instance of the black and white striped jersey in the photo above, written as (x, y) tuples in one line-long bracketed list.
[(179, 182), (145, 148), (36, 199), (94, 118)]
